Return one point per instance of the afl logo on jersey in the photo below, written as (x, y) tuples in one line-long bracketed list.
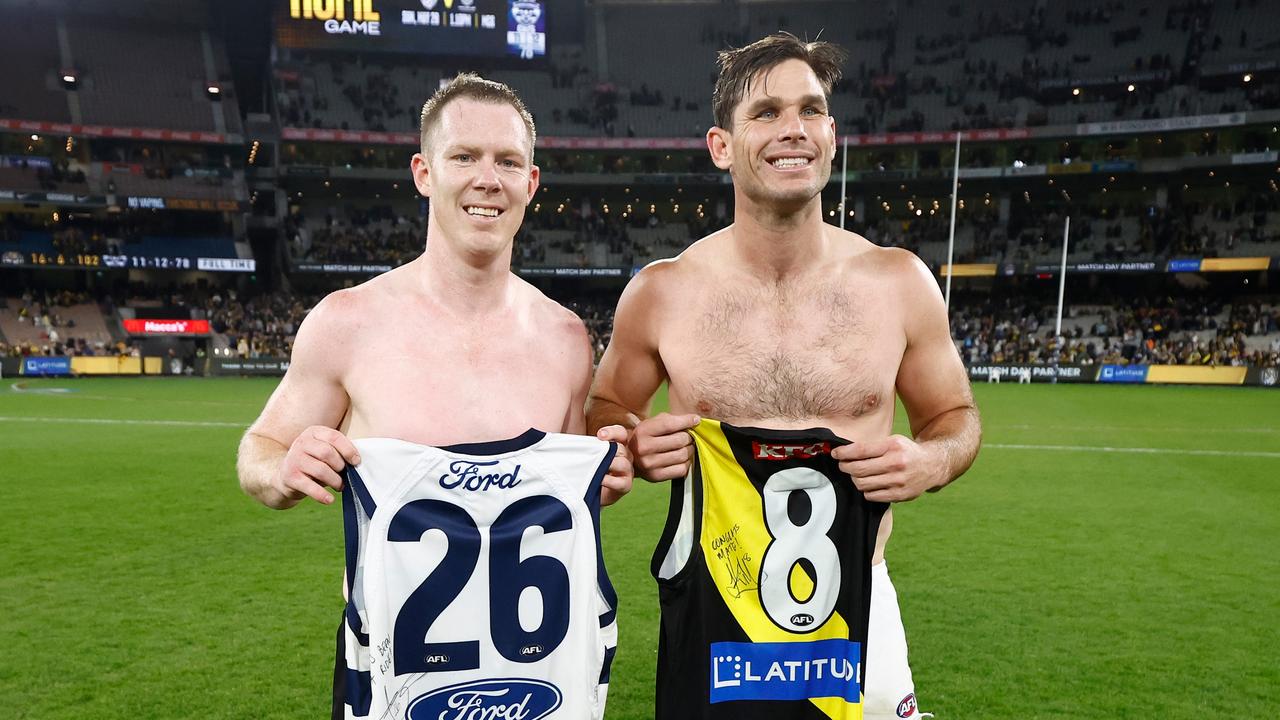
[(514, 698), (907, 708), (802, 619)]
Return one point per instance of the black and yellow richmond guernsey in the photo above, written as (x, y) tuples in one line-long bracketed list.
[(764, 578)]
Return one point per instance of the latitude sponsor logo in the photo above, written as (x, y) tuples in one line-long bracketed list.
[(786, 670)]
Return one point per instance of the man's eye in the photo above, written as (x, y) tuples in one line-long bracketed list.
[(767, 114), (462, 157), (811, 111)]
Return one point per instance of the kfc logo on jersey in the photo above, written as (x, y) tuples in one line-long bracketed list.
[(469, 475), (513, 699), (907, 707), (783, 451)]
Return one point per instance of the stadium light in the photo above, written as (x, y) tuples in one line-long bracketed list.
[(1132, 87), (1075, 92), (213, 91), (1248, 77)]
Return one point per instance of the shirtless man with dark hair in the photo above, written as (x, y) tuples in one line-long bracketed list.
[(784, 322)]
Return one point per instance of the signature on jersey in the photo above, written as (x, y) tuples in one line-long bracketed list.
[(741, 579)]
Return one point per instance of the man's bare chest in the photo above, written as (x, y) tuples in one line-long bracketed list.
[(442, 388), (818, 354)]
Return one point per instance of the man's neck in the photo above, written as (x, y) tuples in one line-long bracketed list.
[(778, 245), (467, 285)]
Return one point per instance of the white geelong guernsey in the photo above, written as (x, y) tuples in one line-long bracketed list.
[(475, 580)]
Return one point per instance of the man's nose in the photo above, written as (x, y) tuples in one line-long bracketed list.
[(792, 127), (487, 177)]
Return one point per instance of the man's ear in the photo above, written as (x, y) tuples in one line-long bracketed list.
[(535, 177), (421, 174), (720, 145)]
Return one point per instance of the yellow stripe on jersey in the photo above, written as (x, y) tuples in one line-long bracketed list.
[(734, 538)]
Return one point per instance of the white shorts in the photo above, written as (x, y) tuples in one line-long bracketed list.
[(890, 691)]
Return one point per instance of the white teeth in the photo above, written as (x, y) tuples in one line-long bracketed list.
[(486, 212), (790, 162)]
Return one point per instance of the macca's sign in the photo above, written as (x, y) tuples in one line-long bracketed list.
[(166, 327)]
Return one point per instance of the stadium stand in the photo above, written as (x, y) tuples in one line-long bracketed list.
[(182, 63), (645, 70), (1172, 331), (30, 86), (951, 66), (54, 324)]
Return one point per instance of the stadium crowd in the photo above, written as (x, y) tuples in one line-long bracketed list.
[(1164, 331), (52, 334), (1031, 231), (258, 326)]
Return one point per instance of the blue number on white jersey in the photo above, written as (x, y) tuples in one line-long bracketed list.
[(475, 579)]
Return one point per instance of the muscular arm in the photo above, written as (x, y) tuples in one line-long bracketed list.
[(581, 360), (311, 394), (932, 381), (631, 369)]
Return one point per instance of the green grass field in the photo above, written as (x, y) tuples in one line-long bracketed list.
[(1130, 570)]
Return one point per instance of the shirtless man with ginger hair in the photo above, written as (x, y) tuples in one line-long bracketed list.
[(450, 348)]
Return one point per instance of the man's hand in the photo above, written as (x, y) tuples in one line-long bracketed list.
[(662, 446), (618, 480), (892, 469), (313, 463)]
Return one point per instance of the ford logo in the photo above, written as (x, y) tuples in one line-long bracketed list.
[(505, 699), (801, 619)]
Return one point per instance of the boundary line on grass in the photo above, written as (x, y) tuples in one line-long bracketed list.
[(997, 446), (113, 421), (1136, 450)]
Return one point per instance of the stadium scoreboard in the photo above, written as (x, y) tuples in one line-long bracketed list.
[(39, 259), (511, 29)]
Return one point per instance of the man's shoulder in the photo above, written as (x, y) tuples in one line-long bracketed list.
[(890, 263), (343, 309), (694, 261), (549, 315)]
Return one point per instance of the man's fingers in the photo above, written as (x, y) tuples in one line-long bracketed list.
[(666, 423), (651, 445), (873, 483), (340, 442), (620, 466), (861, 450), (669, 472), (310, 488), (868, 468), (884, 496), (319, 472), (680, 456), (327, 454), (613, 433), (609, 496), (621, 483)]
